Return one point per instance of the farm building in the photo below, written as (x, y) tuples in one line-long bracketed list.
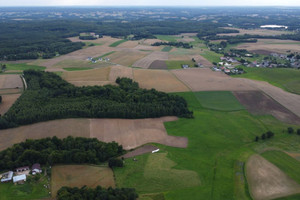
[(6, 177), (20, 179), (22, 169), (185, 66), (36, 168)]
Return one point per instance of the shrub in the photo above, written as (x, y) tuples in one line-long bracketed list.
[(115, 162)]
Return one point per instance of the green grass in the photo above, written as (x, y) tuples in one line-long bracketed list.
[(219, 100), (175, 64), (287, 79), (23, 66), (169, 38), (77, 68), (167, 49), (284, 162), (27, 191), (216, 141), (211, 56), (104, 55), (293, 197), (115, 44)]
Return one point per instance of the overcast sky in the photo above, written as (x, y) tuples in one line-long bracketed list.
[(150, 2)]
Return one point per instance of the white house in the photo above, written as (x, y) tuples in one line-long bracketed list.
[(36, 168), (6, 177), (20, 179)]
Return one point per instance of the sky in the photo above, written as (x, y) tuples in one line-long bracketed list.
[(150, 2)]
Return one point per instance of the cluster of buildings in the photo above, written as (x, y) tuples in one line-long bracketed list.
[(20, 174), (95, 60)]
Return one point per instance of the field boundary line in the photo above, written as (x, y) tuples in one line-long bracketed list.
[(170, 71)]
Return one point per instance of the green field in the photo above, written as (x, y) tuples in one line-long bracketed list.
[(27, 191), (169, 38), (175, 64), (23, 66), (287, 79), (217, 141), (211, 56), (77, 68), (284, 162), (293, 197), (220, 100), (117, 43), (167, 49)]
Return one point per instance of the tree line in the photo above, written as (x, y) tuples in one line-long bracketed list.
[(99, 193), (175, 44), (53, 150), (49, 97)]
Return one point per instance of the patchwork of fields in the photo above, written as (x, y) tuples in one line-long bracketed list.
[(211, 156)]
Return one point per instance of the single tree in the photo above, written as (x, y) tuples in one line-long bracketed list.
[(263, 136), (256, 139), (270, 134)]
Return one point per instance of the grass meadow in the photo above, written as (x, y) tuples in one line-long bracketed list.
[(23, 66), (287, 79), (218, 140), (115, 44), (167, 49), (175, 64)]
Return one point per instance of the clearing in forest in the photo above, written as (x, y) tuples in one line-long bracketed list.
[(79, 176)]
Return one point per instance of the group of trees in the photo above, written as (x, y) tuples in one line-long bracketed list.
[(175, 44), (115, 162), (99, 193), (49, 97), (291, 130), (264, 136), (53, 150)]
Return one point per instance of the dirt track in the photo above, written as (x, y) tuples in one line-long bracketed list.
[(259, 103), (140, 151), (134, 133), (266, 181)]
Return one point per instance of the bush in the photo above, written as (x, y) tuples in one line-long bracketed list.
[(0, 99), (115, 162), (298, 131), (290, 130), (263, 136)]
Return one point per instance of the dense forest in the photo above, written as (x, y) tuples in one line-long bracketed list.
[(46, 39), (99, 193), (49, 97), (175, 44), (53, 151)]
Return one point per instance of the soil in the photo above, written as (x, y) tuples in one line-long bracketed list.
[(10, 81), (259, 103), (146, 61), (7, 102), (134, 133), (158, 64), (266, 181)]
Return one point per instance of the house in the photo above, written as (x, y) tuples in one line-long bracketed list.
[(20, 179), (185, 66), (22, 169), (36, 168), (6, 177)]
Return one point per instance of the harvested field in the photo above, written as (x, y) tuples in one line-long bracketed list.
[(206, 80), (266, 181), (258, 31), (9, 81), (202, 60), (140, 151), (146, 61), (288, 100), (7, 102), (179, 57), (77, 64), (126, 58), (100, 74), (133, 133), (161, 80), (147, 48), (271, 45), (158, 64), (120, 71), (79, 176), (257, 102), (60, 128)]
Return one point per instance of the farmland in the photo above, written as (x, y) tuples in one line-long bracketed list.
[(287, 79), (117, 43), (79, 176)]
